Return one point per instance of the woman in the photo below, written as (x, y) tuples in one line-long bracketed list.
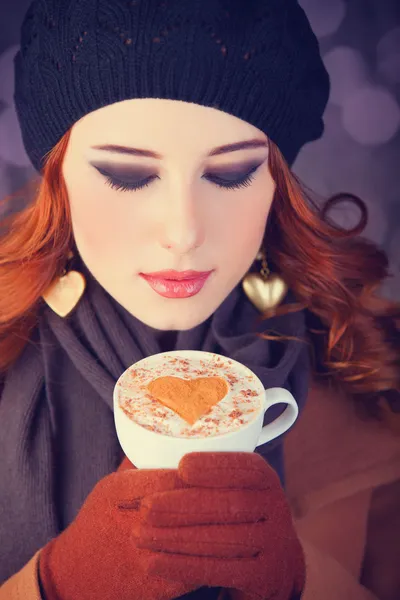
[(164, 133)]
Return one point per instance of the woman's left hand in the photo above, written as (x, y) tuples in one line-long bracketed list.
[(230, 527)]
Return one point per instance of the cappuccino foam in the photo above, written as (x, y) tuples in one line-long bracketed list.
[(240, 405)]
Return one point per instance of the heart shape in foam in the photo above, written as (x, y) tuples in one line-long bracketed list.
[(189, 398)]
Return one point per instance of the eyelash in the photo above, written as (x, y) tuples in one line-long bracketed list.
[(128, 187)]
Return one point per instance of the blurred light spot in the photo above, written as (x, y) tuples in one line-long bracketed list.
[(388, 55), (348, 72), (371, 116), (325, 16), (11, 147), (7, 74)]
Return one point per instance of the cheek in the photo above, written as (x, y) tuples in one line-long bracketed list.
[(245, 226), (247, 223), (101, 228)]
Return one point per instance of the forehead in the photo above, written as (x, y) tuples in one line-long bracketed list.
[(166, 126)]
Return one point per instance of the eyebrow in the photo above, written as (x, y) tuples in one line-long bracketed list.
[(245, 145)]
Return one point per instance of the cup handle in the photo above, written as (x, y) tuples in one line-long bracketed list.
[(285, 420)]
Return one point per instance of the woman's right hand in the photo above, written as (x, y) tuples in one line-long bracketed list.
[(95, 556)]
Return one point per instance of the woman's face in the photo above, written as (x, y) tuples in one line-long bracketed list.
[(185, 218)]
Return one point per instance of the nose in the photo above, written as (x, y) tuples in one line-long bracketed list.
[(182, 229)]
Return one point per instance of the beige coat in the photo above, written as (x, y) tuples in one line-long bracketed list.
[(343, 483)]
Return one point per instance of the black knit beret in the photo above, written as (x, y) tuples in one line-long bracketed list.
[(255, 59)]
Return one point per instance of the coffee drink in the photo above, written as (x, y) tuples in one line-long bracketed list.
[(203, 395)]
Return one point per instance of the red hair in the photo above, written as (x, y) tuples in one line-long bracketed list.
[(334, 275), (33, 248)]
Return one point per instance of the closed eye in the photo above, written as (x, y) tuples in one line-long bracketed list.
[(124, 185)]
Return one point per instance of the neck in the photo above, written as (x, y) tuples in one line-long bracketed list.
[(166, 339)]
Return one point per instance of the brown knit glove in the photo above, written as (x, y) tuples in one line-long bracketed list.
[(96, 557), (232, 528)]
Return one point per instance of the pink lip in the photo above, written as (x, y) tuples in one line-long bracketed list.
[(176, 284)]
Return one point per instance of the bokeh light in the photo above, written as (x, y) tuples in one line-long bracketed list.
[(371, 115), (325, 16), (348, 72)]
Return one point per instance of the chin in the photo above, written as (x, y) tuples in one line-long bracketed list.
[(173, 315), (174, 320)]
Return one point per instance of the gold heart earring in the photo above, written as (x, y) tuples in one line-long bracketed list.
[(264, 290), (65, 292)]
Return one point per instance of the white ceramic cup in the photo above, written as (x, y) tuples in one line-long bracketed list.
[(147, 449)]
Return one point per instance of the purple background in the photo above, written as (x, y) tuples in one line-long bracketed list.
[(360, 151)]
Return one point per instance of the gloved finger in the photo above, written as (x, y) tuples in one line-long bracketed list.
[(212, 572), (227, 470), (218, 541), (196, 506), (125, 489)]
